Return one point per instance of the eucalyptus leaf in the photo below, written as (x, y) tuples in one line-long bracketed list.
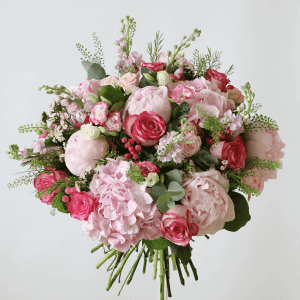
[(86, 64), (111, 93), (157, 190), (173, 175), (95, 71), (176, 190), (165, 202)]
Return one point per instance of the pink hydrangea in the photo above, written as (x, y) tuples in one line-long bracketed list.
[(125, 212), (207, 199)]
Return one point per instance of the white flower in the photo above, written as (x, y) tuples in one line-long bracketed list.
[(152, 179), (163, 78), (90, 132)]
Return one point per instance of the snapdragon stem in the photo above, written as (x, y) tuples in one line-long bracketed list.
[(111, 253), (155, 264), (162, 275)]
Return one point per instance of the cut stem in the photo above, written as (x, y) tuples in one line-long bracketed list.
[(193, 269), (162, 275), (96, 248), (155, 264), (179, 271), (174, 261), (146, 254), (186, 270), (111, 253), (167, 270)]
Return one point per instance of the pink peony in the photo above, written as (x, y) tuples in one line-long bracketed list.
[(113, 122), (44, 181), (110, 80), (99, 113), (207, 199), (265, 144), (128, 81), (176, 225), (146, 128), (148, 99), (125, 212), (80, 205), (81, 153)]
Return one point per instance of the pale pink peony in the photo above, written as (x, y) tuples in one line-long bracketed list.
[(81, 153), (207, 199), (177, 226), (113, 122), (99, 113), (110, 80), (265, 144), (125, 212), (149, 99), (128, 81)]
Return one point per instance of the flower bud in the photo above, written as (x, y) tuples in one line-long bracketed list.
[(163, 78)]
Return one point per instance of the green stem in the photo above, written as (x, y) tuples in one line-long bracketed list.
[(151, 256), (174, 261), (166, 258), (96, 248), (179, 271), (145, 261), (162, 275), (109, 267), (117, 258), (155, 264), (186, 270), (111, 253), (193, 269), (111, 281)]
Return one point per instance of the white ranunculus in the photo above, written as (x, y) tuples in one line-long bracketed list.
[(90, 132), (163, 78)]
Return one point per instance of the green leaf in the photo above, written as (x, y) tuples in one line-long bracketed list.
[(157, 190), (176, 190), (183, 253), (204, 159), (95, 71), (148, 77), (93, 98), (49, 143), (86, 64), (157, 244), (165, 202), (173, 175), (118, 106), (111, 93), (241, 209), (59, 204), (145, 70), (181, 111)]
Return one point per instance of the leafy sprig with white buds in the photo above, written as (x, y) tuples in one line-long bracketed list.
[(128, 31)]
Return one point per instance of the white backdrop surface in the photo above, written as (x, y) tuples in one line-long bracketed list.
[(45, 257)]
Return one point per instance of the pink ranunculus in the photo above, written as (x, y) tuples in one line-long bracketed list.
[(146, 128), (147, 167), (235, 94), (177, 226), (234, 152), (155, 66), (99, 113), (81, 153), (207, 199), (149, 98), (256, 181), (191, 148), (81, 204), (182, 92), (219, 78), (128, 81), (110, 80), (265, 144), (113, 122), (44, 181)]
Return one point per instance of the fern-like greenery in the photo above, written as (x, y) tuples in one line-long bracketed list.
[(25, 179), (265, 164), (155, 51), (260, 122)]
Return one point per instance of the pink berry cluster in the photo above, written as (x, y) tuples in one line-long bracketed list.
[(129, 144)]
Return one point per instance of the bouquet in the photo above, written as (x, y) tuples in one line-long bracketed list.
[(153, 157)]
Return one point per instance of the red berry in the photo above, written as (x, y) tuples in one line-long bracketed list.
[(65, 198), (67, 190), (179, 76), (172, 76), (209, 141), (228, 130), (131, 141), (127, 155), (124, 140), (130, 149), (135, 156), (137, 148), (127, 145)]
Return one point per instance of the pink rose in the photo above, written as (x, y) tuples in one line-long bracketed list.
[(113, 122), (193, 147), (207, 199), (176, 225), (257, 181), (99, 113), (128, 81), (147, 167), (149, 98), (182, 92), (110, 80), (146, 128), (235, 94), (234, 152), (219, 78), (80, 205), (265, 144), (155, 66), (44, 181)]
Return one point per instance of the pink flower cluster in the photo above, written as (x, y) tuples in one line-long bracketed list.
[(124, 212)]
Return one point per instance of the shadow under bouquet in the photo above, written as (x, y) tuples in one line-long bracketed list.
[(153, 157)]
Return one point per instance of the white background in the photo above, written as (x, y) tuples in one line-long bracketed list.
[(45, 257)]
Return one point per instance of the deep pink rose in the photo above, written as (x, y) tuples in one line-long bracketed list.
[(155, 66), (81, 205), (234, 152), (176, 225), (146, 128), (44, 181), (219, 78), (147, 167)]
